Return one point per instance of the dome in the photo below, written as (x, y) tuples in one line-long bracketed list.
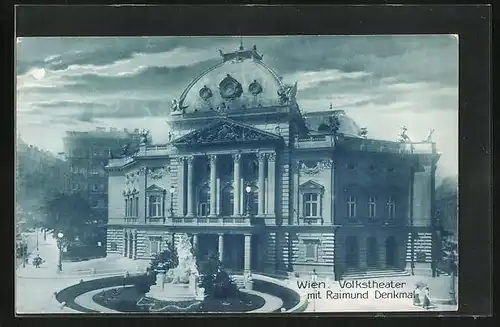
[(242, 80), (320, 122)]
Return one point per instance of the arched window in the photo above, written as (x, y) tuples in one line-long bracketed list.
[(227, 199), (204, 201)]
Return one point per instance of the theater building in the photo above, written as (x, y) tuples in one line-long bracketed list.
[(271, 188)]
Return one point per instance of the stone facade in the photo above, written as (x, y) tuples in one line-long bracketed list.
[(268, 188)]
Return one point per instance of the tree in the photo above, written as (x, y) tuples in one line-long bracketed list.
[(70, 214), (215, 280)]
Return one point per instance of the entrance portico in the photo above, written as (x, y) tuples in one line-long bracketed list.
[(236, 251)]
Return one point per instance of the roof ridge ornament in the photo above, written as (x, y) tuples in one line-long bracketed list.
[(241, 54)]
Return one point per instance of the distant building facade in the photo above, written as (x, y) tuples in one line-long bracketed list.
[(87, 153), (249, 176)]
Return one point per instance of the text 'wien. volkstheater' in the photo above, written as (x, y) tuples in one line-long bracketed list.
[(270, 188)]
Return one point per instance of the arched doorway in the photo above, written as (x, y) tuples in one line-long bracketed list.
[(372, 256), (390, 251), (352, 252), (227, 207)]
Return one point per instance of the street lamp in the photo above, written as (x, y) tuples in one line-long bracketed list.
[(60, 244), (248, 189), (172, 191)]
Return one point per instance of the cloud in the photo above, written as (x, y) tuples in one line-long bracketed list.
[(381, 81)]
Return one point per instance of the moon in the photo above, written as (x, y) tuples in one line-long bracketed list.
[(38, 73)]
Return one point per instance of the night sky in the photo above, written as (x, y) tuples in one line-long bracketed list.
[(382, 82)]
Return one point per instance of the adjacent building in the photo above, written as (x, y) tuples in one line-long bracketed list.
[(251, 177), (87, 153)]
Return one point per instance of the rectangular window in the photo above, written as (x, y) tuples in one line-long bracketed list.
[(155, 203), (372, 207), (95, 188), (351, 206), (132, 207), (155, 245), (311, 205), (391, 208), (136, 207), (311, 250)]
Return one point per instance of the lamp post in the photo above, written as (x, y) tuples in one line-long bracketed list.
[(248, 189), (60, 245), (172, 191)]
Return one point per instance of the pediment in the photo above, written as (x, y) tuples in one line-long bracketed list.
[(311, 185), (155, 188), (226, 131)]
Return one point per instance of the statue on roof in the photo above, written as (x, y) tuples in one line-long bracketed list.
[(403, 138), (125, 150), (144, 136)]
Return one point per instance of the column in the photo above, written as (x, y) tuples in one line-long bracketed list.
[(190, 186), (248, 252), (236, 184), (134, 245), (125, 244), (271, 177), (261, 158), (213, 185), (221, 247), (180, 186), (218, 195)]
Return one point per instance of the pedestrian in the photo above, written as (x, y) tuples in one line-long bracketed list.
[(314, 276), (427, 301), (416, 296)]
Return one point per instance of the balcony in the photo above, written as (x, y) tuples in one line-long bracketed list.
[(211, 221), (315, 141), (154, 151)]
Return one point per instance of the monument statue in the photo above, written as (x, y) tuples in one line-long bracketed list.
[(179, 283)]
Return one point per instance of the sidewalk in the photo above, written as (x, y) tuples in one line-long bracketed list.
[(35, 287)]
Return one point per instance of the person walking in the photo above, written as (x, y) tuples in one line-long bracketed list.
[(427, 301), (314, 276), (416, 296)]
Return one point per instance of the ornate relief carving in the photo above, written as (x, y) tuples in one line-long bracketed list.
[(180, 160), (237, 157), (205, 93), (158, 173), (226, 132), (261, 157), (142, 171), (255, 88), (271, 157), (190, 160), (230, 88), (212, 158), (312, 168)]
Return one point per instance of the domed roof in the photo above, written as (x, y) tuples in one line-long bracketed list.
[(242, 80), (319, 122)]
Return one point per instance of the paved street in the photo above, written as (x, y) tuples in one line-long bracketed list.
[(31, 240), (35, 287)]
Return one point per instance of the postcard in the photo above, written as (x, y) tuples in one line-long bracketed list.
[(237, 174)]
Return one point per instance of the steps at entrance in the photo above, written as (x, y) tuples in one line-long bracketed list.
[(374, 273)]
